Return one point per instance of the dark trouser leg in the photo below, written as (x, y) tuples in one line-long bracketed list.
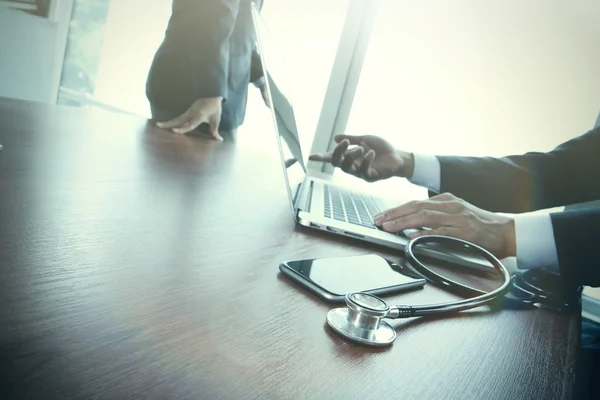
[(162, 115)]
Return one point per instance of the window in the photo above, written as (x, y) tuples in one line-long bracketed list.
[(480, 77), (82, 57), (308, 33), (111, 48), (134, 31)]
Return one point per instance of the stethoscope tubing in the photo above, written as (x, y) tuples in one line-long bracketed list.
[(361, 322), (451, 307)]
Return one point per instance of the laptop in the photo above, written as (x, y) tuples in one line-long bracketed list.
[(316, 201)]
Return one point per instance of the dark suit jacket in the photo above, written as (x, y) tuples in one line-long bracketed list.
[(209, 50), (568, 174)]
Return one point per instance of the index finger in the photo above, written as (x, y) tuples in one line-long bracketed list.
[(334, 157), (323, 157), (397, 212), (350, 138), (424, 218), (175, 122), (338, 153), (189, 125), (364, 171), (409, 208)]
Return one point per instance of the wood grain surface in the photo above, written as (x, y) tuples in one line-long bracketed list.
[(135, 263)]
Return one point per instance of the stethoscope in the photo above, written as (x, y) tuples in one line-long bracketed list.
[(362, 320)]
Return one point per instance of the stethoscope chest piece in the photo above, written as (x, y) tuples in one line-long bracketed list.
[(362, 321)]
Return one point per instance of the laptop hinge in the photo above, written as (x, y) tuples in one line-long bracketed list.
[(304, 195)]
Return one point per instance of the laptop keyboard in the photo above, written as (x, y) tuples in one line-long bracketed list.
[(343, 205)]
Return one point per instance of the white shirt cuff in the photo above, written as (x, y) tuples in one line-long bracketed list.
[(535, 242), (427, 171)]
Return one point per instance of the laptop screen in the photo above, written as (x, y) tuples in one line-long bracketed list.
[(281, 107)]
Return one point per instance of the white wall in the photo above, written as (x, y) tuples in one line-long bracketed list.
[(27, 58), (31, 52)]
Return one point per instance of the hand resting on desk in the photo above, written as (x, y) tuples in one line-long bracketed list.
[(205, 110)]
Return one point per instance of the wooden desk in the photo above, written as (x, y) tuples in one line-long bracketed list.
[(135, 263)]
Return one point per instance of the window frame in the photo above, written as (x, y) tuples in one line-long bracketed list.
[(344, 77)]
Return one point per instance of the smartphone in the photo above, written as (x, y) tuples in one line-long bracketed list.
[(332, 278)]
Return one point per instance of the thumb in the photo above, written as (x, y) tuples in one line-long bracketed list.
[(213, 123), (351, 139)]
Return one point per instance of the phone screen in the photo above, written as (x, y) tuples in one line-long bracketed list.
[(350, 274)]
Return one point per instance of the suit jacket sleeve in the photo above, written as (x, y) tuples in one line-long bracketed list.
[(566, 175), (203, 30), (256, 68), (575, 236)]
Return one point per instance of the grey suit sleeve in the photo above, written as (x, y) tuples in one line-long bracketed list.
[(206, 27), (256, 68)]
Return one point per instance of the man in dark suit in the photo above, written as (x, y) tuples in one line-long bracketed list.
[(474, 189), (200, 75)]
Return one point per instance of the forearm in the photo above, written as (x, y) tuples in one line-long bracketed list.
[(494, 184), (559, 242), (256, 67), (529, 238), (469, 179), (533, 181), (256, 70)]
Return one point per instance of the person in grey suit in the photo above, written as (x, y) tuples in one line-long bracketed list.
[(199, 77)]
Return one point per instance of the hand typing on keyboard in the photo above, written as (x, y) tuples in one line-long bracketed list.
[(372, 158), (447, 215)]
